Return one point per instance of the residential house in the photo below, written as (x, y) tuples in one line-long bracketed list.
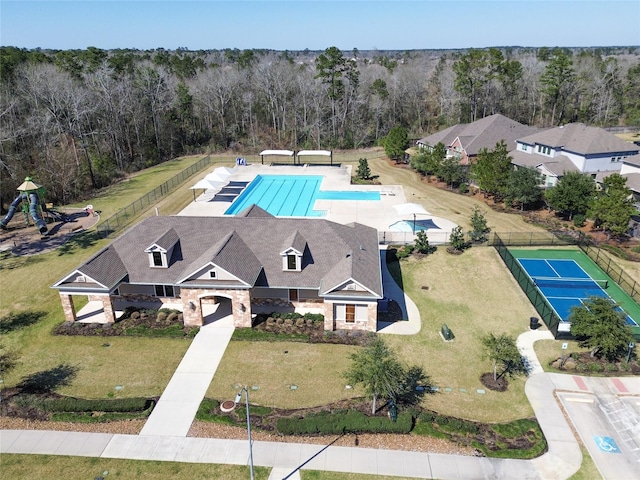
[(573, 148), (251, 261), (631, 171), (465, 140)]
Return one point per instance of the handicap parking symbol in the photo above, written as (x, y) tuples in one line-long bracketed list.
[(607, 444)]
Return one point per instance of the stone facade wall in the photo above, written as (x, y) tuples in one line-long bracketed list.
[(283, 303), (369, 325), (192, 305)]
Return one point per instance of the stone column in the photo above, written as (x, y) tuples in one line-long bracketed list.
[(107, 306), (372, 317), (191, 308), (329, 321), (68, 307), (241, 307)]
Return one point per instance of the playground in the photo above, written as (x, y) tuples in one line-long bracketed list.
[(32, 226)]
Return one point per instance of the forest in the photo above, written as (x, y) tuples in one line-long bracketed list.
[(79, 120)]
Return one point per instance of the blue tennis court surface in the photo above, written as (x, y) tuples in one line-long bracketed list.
[(565, 284), (291, 195)]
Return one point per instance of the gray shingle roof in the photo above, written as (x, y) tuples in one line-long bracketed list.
[(248, 247), (167, 240), (633, 181), (558, 165), (295, 241), (580, 138), (106, 268), (483, 133)]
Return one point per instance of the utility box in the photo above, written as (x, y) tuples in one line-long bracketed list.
[(446, 333)]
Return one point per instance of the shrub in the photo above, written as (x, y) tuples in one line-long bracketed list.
[(404, 251), (578, 220), (135, 315), (463, 188), (70, 404), (172, 317), (611, 367), (314, 317), (335, 423), (300, 322), (161, 316), (595, 367)]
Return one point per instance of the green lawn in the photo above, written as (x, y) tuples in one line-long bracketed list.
[(473, 293), (80, 468)]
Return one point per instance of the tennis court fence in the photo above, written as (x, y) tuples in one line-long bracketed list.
[(123, 217), (615, 272), (542, 306)]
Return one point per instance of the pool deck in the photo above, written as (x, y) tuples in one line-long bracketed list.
[(378, 214)]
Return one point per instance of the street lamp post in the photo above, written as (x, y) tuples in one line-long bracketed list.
[(631, 345), (237, 400)]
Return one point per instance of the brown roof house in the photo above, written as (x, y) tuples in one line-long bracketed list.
[(251, 262), (573, 148), (465, 140)]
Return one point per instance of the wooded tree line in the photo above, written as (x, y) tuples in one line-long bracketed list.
[(76, 120)]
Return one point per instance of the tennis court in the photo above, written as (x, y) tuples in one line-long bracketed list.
[(566, 284)]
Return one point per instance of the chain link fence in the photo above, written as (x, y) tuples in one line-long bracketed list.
[(124, 216)]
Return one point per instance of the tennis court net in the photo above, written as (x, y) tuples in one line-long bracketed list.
[(571, 283)]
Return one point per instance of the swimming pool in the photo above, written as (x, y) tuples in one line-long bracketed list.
[(291, 195)]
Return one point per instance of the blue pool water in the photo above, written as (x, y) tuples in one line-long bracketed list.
[(291, 195)]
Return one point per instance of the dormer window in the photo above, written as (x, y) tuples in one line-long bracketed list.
[(291, 261), (161, 250), (293, 252), (157, 258)]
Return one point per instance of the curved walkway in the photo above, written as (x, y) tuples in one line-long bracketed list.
[(410, 323), (170, 443)]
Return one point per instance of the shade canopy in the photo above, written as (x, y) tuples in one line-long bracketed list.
[(215, 177), (28, 185), (223, 172), (410, 209), (207, 184)]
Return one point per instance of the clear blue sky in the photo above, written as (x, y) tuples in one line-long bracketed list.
[(317, 25)]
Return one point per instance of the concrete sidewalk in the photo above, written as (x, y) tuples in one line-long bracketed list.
[(180, 400), (410, 323), (286, 459), (163, 437)]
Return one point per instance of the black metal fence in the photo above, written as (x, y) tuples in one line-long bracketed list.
[(542, 306), (123, 217), (615, 272)]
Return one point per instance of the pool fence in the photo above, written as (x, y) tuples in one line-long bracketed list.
[(123, 217)]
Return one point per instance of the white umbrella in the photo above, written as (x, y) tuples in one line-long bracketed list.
[(411, 209), (206, 185), (223, 172), (215, 177)]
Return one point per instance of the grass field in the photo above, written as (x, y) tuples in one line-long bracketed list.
[(473, 293)]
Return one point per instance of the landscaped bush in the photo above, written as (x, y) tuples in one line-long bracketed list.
[(79, 410), (579, 219), (404, 251), (352, 421), (70, 404), (518, 439)]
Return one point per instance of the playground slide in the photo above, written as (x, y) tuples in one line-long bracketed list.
[(12, 209), (33, 210)]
